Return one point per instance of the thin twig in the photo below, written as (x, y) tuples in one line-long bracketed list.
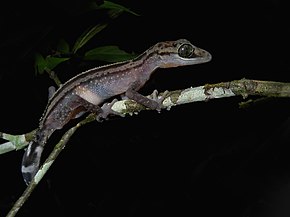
[(46, 165), (53, 76), (243, 87)]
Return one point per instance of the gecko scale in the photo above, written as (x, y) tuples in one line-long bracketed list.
[(89, 90)]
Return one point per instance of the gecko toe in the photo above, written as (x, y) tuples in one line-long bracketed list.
[(107, 110), (159, 99)]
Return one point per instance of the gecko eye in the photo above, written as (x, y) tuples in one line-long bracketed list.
[(185, 50)]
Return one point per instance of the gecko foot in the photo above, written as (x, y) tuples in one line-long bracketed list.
[(106, 110), (159, 99), (51, 91)]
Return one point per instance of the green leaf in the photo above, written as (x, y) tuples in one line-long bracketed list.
[(87, 35), (62, 46), (39, 64), (117, 7), (109, 54), (52, 62), (113, 8)]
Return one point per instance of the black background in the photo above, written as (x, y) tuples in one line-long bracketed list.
[(200, 159)]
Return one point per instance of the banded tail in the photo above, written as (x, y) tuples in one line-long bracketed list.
[(31, 160), (32, 155)]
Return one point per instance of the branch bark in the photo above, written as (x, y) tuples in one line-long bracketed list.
[(243, 87)]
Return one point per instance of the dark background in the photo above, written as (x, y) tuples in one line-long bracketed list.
[(200, 159)]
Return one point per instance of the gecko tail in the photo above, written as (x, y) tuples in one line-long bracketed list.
[(30, 161)]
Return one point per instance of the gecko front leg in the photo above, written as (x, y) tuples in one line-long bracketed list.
[(159, 99), (153, 102)]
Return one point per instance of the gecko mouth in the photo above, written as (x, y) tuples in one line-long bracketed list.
[(202, 54), (198, 56)]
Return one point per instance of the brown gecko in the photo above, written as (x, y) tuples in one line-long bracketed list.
[(89, 90)]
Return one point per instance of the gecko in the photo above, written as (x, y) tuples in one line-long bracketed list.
[(90, 91)]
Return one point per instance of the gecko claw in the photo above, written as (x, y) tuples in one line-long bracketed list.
[(106, 110), (159, 99)]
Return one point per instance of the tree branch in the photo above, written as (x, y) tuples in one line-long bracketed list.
[(46, 165), (243, 87)]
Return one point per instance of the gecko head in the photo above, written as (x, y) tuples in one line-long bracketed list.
[(180, 53)]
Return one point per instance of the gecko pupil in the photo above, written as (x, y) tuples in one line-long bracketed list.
[(185, 50)]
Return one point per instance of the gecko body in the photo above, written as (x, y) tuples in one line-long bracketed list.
[(89, 90)]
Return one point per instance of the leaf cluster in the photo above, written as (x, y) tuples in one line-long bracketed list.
[(65, 51)]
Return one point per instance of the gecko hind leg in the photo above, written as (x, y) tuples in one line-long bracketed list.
[(51, 91), (106, 110)]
